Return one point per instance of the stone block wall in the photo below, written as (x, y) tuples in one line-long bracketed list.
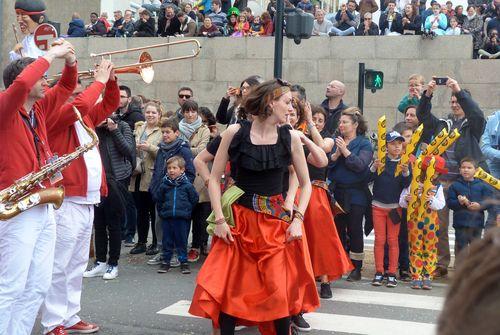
[(315, 62)]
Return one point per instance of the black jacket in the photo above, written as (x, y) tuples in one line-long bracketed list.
[(145, 29), (415, 24), (131, 117), (226, 114), (333, 116), (174, 28), (471, 129), (114, 29), (373, 31), (98, 28), (397, 24)]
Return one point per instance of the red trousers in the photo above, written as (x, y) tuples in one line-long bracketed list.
[(385, 232)]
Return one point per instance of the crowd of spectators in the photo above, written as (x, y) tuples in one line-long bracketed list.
[(210, 18)]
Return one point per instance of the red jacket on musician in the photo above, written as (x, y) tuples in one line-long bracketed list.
[(63, 138), (18, 156)]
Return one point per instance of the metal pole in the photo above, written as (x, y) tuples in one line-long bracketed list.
[(278, 39), (361, 86)]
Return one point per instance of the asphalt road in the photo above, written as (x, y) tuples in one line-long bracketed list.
[(141, 301)]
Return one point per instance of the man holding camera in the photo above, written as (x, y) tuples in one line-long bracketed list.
[(468, 118)]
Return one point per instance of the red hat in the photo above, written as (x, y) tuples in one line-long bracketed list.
[(30, 7), (439, 164)]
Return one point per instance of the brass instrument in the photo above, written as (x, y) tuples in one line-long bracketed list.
[(144, 67), (22, 196)]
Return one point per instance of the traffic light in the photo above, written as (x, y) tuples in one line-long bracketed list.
[(299, 24), (374, 80)]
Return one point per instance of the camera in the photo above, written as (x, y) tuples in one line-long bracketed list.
[(440, 80)]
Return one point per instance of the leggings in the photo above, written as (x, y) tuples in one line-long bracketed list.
[(227, 324)]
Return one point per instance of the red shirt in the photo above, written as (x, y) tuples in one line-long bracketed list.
[(18, 156), (63, 138)]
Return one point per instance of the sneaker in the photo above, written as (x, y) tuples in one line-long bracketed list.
[(98, 270), (440, 272), (427, 284), (59, 330), (111, 272), (82, 327), (355, 275), (138, 249), (378, 279), (331, 33), (185, 269), (129, 242), (300, 323), (391, 280), (238, 328), (156, 260), (152, 249), (294, 331), (193, 255), (174, 262), (325, 291), (416, 284), (404, 276), (164, 268)]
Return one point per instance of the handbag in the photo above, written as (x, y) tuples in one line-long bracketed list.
[(139, 167)]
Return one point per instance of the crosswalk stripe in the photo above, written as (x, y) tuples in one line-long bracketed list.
[(388, 299), (336, 322)]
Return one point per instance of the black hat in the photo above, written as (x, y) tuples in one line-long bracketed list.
[(30, 7)]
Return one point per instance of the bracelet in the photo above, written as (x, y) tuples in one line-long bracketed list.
[(298, 215), (220, 221)]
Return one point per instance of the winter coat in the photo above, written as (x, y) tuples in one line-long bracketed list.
[(145, 29), (471, 129), (372, 31), (332, 115), (174, 28), (188, 28), (367, 6), (117, 149), (475, 191), (176, 198), (77, 28), (199, 140), (490, 144), (148, 156), (132, 116), (415, 24), (475, 28), (180, 149)]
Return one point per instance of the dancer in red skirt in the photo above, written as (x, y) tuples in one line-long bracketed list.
[(258, 270)]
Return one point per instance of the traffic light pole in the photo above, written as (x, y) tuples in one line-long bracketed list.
[(361, 86), (278, 39)]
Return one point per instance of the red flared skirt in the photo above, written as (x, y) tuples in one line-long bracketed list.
[(328, 257), (259, 277)]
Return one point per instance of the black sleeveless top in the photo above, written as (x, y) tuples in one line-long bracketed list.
[(260, 168), (315, 173)]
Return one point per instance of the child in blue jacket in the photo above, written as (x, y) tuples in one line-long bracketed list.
[(176, 198), (468, 198)]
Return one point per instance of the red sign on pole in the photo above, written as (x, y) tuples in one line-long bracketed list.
[(45, 34)]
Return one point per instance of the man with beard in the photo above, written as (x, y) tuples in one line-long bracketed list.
[(29, 15), (333, 104)]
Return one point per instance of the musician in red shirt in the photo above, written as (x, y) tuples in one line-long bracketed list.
[(27, 240), (84, 183)]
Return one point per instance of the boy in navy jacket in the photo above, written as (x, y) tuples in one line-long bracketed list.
[(468, 198), (176, 198)]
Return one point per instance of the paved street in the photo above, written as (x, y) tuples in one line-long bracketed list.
[(142, 302)]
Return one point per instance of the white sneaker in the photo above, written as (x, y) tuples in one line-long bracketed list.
[(156, 260), (111, 272), (97, 270)]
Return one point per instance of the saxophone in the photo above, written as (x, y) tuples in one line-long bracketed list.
[(22, 195)]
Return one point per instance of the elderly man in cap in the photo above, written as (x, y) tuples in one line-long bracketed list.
[(29, 14)]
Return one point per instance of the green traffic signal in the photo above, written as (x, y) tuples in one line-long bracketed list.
[(374, 80)]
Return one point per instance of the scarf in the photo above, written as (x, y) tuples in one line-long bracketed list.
[(177, 181), (471, 17), (187, 129), (167, 146)]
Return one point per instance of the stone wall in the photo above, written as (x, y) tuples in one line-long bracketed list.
[(313, 63)]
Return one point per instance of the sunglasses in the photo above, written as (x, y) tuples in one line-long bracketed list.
[(184, 96), (283, 82)]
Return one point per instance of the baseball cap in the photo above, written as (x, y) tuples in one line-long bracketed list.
[(393, 136)]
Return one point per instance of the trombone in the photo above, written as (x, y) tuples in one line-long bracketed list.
[(144, 67)]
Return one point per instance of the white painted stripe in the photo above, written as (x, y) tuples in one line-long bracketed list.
[(388, 299), (336, 322)]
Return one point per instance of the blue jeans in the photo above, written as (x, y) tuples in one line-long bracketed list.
[(463, 238), (175, 233), (338, 32)]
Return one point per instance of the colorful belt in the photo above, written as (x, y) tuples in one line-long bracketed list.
[(271, 205)]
